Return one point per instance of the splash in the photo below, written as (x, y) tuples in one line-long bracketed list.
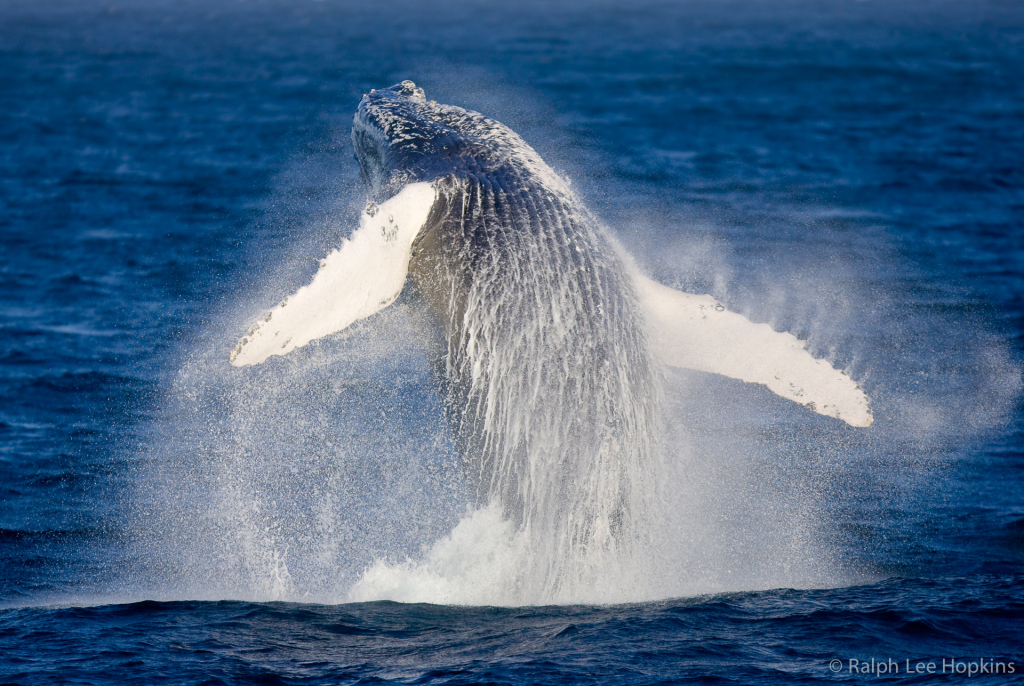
[(570, 477), (331, 475), (488, 560)]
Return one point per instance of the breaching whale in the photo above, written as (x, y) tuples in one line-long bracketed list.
[(554, 341)]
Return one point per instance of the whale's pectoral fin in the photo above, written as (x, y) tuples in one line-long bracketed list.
[(359, 279), (697, 332)]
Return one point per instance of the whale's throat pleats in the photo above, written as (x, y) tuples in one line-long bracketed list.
[(548, 380)]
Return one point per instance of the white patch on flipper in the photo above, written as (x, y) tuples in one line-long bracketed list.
[(362, 277), (697, 332)]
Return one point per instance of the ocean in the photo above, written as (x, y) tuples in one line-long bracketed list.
[(847, 171)]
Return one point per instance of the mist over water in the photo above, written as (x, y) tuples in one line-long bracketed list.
[(330, 475)]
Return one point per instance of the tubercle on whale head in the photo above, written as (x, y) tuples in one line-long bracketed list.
[(410, 90)]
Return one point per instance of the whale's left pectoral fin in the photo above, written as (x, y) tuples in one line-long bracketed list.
[(697, 332), (362, 277)]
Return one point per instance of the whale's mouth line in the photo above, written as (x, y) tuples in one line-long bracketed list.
[(368, 142)]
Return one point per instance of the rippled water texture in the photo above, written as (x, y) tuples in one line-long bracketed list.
[(846, 171)]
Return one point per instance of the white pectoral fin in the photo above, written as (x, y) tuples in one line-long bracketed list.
[(697, 332), (362, 277)]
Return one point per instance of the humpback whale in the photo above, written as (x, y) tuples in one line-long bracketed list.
[(554, 341)]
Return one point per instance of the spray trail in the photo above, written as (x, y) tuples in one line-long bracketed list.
[(540, 350)]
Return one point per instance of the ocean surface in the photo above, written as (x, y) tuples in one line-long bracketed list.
[(850, 172)]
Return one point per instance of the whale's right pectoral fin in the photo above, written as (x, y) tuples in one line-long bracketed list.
[(359, 279), (697, 332)]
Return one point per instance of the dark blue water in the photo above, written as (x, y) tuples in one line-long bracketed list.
[(848, 171)]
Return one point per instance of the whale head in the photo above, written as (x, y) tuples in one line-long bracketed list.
[(396, 134), (400, 137)]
